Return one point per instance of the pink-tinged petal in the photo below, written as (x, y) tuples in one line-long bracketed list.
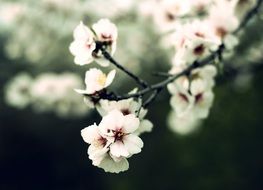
[(89, 134), (133, 144), (110, 78), (113, 121), (109, 165), (131, 123), (118, 149), (82, 32)]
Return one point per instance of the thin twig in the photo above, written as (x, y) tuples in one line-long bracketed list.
[(137, 79)]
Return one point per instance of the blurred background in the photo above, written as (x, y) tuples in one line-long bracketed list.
[(41, 116)]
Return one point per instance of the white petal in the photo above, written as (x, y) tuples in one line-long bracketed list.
[(118, 149), (82, 32), (110, 78), (109, 165), (133, 144), (112, 121), (131, 123), (89, 134), (97, 154), (83, 60), (145, 126)]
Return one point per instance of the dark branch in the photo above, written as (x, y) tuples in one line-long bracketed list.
[(137, 79)]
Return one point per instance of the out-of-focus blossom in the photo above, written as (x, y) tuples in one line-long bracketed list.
[(193, 41), (96, 80), (223, 24), (9, 12), (183, 125), (193, 94), (49, 92), (17, 91), (83, 44), (167, 13)]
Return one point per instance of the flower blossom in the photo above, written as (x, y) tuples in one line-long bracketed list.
[(96, 81), (128, 106), (193, 41), (113, 141), (84, 46), (224, 24), (166, 13), (193, 94)]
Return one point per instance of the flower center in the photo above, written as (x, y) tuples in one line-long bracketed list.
[(125, 111), (221, 32), (199, 50), (102, 79), (198, 98), (118, 135), (183, 97)]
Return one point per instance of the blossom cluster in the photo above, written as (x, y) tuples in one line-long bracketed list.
[(116, 138), (48, 92), (194, 30)]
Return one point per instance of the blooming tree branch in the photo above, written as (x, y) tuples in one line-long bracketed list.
[(199, 46)]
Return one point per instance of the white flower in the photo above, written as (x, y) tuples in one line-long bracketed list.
[(98, 151), (193, 94), (193, 41), (113, 141), (105, 30), (118, 129), (17, 91), (107, 33), (167, 12), (223, 24), (96, 80), (53, 92), (128, 106), (83, 45)]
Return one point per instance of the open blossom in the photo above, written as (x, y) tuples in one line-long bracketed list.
[(193, 41), (126, 107), (118, 129), (98, 151), (193, 94), (223, 24), (166, 13), (84, 45), (96, 80), (113, 141)]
